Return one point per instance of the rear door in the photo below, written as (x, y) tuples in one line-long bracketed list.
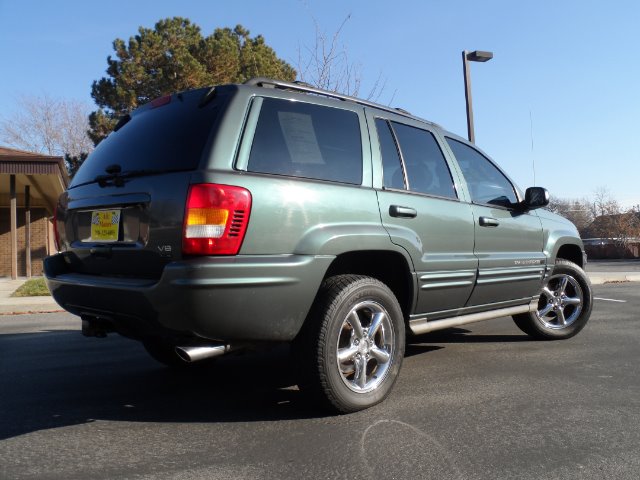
[(422, 212), (508, 241), (123, 213)]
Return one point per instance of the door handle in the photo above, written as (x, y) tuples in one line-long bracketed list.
[(488, 222), (402, 212)]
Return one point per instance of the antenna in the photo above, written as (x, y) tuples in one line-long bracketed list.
[(533, 158)]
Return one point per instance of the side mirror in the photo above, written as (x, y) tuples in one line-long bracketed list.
[(535, 197)]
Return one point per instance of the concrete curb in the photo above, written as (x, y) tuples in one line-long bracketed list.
[(31, 311), (613, 277), (26, 305)]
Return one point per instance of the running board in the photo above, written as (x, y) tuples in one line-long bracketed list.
[(422, 325)]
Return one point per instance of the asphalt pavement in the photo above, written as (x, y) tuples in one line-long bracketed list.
[(480, 402)]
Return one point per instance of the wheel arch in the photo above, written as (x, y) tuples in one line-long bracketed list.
[(390, 267), (571, 252)]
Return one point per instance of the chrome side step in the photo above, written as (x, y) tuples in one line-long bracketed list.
[(423, 325)]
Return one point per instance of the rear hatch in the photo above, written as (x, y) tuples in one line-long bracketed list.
[(124, 211)]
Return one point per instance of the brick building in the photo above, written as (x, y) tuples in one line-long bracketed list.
[(30, 184)]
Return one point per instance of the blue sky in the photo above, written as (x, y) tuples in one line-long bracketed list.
[(568, 69)]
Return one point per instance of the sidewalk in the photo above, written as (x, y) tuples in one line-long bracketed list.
[(21, 305), (9, 305), (606, 271), (598, 278)]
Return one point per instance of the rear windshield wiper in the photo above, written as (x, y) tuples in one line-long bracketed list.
[(117, 178)]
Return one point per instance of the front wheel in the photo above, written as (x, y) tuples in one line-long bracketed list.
[(350, 350), (564, 306)]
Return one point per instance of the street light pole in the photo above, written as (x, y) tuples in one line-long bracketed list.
[(475, 56)]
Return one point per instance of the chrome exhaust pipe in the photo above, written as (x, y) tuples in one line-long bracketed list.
[(195, 354)]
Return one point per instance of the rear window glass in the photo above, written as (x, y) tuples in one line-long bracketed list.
[(304, 140), (427, 170), (169, 137)]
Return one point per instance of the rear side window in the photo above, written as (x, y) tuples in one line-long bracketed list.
[(391, 165), (487, 184), (427, 170), (304, 140), (169, 137)]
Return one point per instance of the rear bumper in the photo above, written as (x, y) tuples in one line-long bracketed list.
[(248, 298)]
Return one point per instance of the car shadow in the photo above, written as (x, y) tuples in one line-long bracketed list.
[(59, 378), (412, 349), (462, 335)]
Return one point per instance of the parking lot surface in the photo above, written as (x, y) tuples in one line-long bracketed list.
[(483, 402)]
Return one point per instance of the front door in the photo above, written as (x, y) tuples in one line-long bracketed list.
[(508, 241)]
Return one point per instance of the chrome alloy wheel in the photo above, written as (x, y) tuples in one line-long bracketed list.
[(561, 302), (365, 347)]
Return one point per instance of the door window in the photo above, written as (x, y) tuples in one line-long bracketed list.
[(426, 167), (486, 183), (391, 164)]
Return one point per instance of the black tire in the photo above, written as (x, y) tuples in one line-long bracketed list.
[(346, 308), (164, 352), (564, 307)]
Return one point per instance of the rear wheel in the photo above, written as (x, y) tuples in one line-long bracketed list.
[(564, 306), (351, 348)]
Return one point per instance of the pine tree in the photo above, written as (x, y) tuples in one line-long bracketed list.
[(174, 56)]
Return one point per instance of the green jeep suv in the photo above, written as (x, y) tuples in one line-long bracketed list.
[(238, 215)]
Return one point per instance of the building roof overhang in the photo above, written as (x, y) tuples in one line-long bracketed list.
[(46, 176)]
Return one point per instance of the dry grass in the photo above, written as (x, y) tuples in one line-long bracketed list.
[(36, 287)]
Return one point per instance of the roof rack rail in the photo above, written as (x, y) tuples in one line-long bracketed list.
[(303, 87), (402, 110)]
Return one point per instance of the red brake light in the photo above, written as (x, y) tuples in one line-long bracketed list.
[(56, 235), (160, 101), (215, 219)]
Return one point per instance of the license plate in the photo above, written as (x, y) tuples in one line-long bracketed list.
[(105, 225)]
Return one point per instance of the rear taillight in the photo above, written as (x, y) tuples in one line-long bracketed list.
[(215, 219)]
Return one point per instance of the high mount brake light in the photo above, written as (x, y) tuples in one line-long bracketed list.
[(215, 220), (160, 101)]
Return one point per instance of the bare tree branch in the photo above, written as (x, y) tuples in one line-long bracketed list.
[(327, 65), (47, 125), (578, 211), (602, 217)]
